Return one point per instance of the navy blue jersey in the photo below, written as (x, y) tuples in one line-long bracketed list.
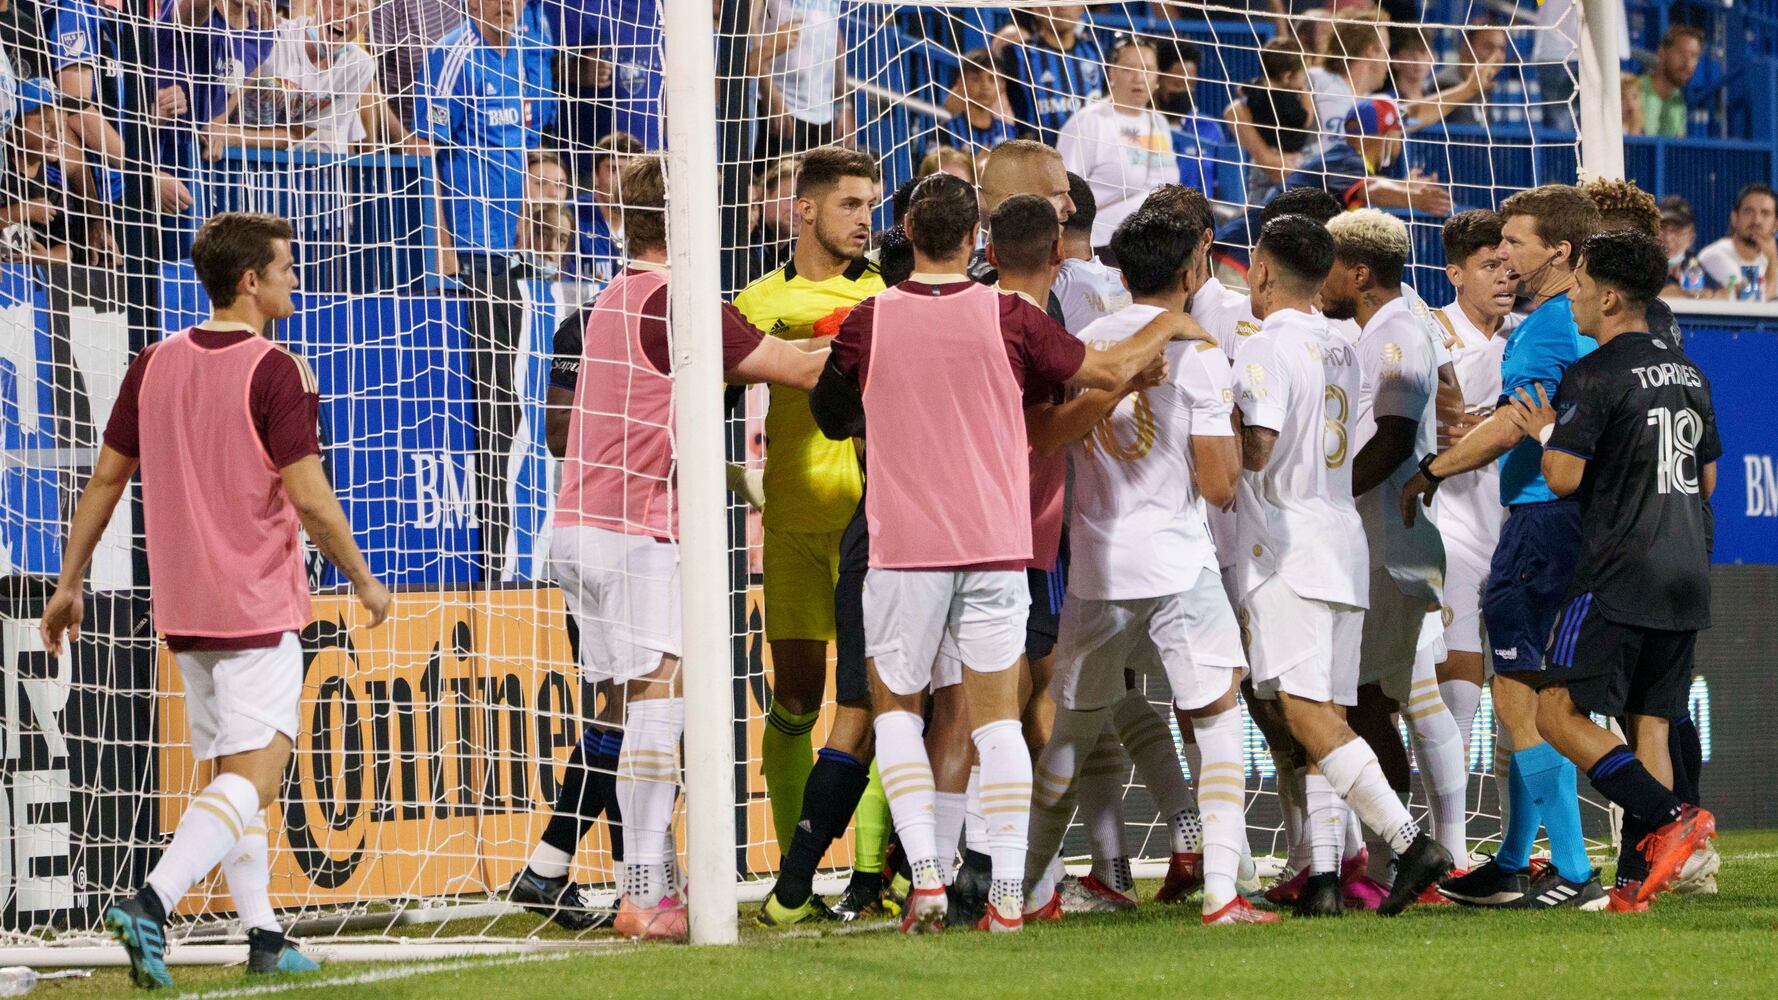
[(1049, 86), (960, 133)]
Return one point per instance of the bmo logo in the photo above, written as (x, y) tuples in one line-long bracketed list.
[(1762, 486), (444, 490)]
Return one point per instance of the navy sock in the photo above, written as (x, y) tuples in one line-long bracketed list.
[(1632, 864), (1620, 777), (1687, 752), (604, 775), (580, 800), (830, 796), (151, 902)]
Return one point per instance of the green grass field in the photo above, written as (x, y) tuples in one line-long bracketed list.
[(1721, 946)]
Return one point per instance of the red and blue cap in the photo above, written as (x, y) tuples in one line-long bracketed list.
[(1373, 116)]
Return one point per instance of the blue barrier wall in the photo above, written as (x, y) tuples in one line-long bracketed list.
[(1739, 364)]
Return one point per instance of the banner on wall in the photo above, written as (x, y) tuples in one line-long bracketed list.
[(1739, 365)]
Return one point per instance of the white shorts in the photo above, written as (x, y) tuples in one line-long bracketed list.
[(1305, 648), (1194, 636), (947, 666), (1464, 580), (1392, 633), (907, 613), (623, 591), (236, 700)]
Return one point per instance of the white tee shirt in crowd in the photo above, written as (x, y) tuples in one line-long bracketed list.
[(1467, 507), (1333, 98), (1088, 290), (1226, 315), (290, 88), (1296, 516), (1399, 378), (804, 75), (1722, 262), (1122, 157), (1138, 528)]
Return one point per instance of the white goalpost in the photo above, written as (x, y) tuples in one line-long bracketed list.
[(450, 237)]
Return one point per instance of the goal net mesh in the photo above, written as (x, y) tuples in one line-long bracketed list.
[(454, 201)]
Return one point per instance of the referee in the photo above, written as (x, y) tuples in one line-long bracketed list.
[(1632, 435)]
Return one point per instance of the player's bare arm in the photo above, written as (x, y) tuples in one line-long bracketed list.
[(779, 362), (103, 489), (1050, 427), (1484, 443), (305, 483), (1216, 462), (1256, 447), (1117, 365), (1392, 445)]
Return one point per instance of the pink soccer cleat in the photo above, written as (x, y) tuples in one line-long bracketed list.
[(1285, 891), (1364, 893), (665, 921), (1185, 875)]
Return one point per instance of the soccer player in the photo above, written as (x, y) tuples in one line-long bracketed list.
[(1141, 483), (1632, 434), (222, 423), (812, 486), (1467, 507), (1021, 166), (1533, 566), (1086, 287), (942, 392), (1397, 420), (1303, 568), (613, 552)]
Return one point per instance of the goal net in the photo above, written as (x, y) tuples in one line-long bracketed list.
[(455, 189)]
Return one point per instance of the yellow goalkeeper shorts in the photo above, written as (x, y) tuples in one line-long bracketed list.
[(801, 568)]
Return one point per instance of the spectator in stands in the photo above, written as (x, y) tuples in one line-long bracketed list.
[(977, 124), (1410, 71), (46, 192), (1354, 64), (1679, 234), (619, 47), (1748, 251), (1662, 88), (1367, 168), (401, 34), (85, 58), (775, 238), (1630, 104), (1195, 137), (1273, 117), (799, 61), (546, 234), (1055, 67), (1118, 143), (1481, 46), (204, 52), (600, 253), (1555, 49), (546, 179), (316, 89)]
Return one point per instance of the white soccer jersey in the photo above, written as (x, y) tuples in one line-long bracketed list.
[(1088, 291), (1228, 316), (1138, 528), (1467, 506), (1400, 379), (1441, 351), (1296, 516)]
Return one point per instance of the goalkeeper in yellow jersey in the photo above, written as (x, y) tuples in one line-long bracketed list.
[(812, 487)]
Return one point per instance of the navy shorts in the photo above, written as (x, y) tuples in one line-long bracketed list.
[(851, 682), (1529, 581), (1048, 588), (1613, 669)]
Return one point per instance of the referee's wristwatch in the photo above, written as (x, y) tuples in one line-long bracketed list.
[(1426, 469)]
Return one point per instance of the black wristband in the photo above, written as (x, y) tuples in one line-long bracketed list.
[(1426, 469)]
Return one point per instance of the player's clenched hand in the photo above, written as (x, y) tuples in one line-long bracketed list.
[(1532, 415), (377, 601), (1412, 491), (62, 614)]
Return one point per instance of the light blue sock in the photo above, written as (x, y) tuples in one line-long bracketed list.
[(1523, 818), (1561, 818)]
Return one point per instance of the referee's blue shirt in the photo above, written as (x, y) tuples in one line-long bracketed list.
[(1537, 353), (472, 104)]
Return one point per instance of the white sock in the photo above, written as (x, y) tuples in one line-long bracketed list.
[(1006, 796), (549, 861), (975, 825), (1071, 739), (948, 810), (647, 783), (247, 866), (1293, 802), (908, 785), (1461, 697), (1149, 742), (1327, 824), (1222, 791), (1438, 747), (1353, 771), (1099, 790), (212, 823)]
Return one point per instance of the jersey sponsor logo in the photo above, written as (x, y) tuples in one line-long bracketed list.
[(505, 117), (1668, 373), (1762, 485), (1676, 462)]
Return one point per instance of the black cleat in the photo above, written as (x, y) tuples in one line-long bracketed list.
[(1416, 870), (862, 902), (963, 909), (556, 898), (268, 953), (1550, 891), (1487, 885), (1321, 897)]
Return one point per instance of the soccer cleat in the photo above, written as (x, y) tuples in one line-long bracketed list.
[(556, 898), (995, 923), (1417, 869), (860, 903), (1622, 899), (925, 912), (268, 953), (1185, 875), (665, 921), (1089, 895), (1363, 893), (1287, 887), (1321, 897), (1551, 891), (1051, 910), (145, 939), (1698, 877), (1239, 911), (777, 916), (1668, 848), (1486, 885), (1432, 897), (1247, 881), (963, 909), (1355, 867), (895, 892)]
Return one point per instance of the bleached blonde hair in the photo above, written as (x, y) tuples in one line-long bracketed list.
[(1373, 238)]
